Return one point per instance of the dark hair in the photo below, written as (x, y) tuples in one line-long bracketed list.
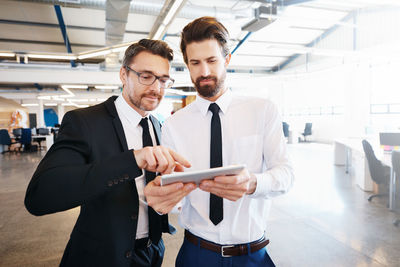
[(204, 28), (156, 47)]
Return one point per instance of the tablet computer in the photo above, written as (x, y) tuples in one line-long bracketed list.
[(198, 176)]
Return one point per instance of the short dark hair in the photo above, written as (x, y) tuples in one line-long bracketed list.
[(204, 28), (156, 47)]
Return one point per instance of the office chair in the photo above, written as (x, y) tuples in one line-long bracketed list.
[(285, 129), (5, 140), (41, 131), (380, 173), (54, 131), (17, 133), (396, 168), (307, 130), (26, 139)]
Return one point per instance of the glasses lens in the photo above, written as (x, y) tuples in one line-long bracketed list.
[(147, 78), (165, 82)]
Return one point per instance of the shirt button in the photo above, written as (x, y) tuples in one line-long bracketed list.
[(134, 217), (128, 254), (110, 183)]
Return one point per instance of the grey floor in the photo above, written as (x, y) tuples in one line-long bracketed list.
[(325, 220)]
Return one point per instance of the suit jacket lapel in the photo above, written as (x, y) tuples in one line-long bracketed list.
[(110, 105), (157, 128)]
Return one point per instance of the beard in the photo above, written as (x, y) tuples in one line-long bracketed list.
[(138, 102), (209, 90)]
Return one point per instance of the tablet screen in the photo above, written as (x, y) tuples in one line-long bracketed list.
[(198, 176)]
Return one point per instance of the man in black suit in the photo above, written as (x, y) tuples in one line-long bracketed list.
[(97, 163)]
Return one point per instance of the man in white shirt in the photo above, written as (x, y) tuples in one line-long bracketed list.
[(225, 219)]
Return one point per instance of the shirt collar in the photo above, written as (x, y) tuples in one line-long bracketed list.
[(223, 102), (127, 111)]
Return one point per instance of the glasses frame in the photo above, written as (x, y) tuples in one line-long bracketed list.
[(139, 74)]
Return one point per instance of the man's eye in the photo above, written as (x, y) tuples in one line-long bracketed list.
[(146, 76)]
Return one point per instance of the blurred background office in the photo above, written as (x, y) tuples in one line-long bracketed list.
[(331, 67)]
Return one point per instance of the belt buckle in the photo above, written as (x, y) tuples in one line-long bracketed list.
[(223, 252)]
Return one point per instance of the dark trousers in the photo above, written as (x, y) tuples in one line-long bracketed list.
[(191, 255), (148, 255)]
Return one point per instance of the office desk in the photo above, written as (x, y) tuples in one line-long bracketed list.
[(48, 138), (386, 159), (293, 137), (349, 152)]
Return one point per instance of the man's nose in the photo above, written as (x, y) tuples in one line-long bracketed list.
[(205, 70)]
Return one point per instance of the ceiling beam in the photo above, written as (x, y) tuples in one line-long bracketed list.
[(291, 2), (53, 25), (47, 43), (63, 29), (315, 41), (116, 18), (168, 13), (241, 42)]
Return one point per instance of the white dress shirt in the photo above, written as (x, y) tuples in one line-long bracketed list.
[(251, 134), (130, 120)]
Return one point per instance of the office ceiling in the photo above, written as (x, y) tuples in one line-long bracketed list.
[(33, 26), (29, 27)]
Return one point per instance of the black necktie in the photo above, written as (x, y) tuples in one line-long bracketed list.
[(216, 202), (154, 218)]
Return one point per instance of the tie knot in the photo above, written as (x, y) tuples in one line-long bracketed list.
[(144, 123), (214, 108)]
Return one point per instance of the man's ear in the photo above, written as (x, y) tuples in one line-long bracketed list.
[(227, 59), (123, 76)]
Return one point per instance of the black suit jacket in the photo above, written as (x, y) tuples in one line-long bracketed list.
[(90, 166)]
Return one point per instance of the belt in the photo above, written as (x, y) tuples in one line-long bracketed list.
[(228, 250)]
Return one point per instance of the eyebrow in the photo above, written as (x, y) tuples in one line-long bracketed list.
[(212, 57), (149, 71)]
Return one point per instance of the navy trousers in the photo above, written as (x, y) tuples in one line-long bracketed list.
[(191, 255)]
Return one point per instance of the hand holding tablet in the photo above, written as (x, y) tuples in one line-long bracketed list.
[(198, 176)]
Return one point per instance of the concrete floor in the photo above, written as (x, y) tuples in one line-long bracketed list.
[(325, 220)]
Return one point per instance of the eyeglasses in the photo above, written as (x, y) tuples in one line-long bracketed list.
[(147, 78)]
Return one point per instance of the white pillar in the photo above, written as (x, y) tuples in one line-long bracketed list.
[(41, 115), (60, 112)]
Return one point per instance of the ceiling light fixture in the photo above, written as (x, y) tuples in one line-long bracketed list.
[(79, 100), (69, 93), (7, 54), (74, 86), (107, 87), (95, 53), (179, 92), (30, 105), (52, 56), (44, 97)]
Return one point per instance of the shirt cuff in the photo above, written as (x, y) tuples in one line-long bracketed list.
[(263, 185), (178, 208)]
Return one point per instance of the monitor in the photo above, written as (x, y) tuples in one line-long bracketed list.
[(17, 132), (42, 131), (389, 141)]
